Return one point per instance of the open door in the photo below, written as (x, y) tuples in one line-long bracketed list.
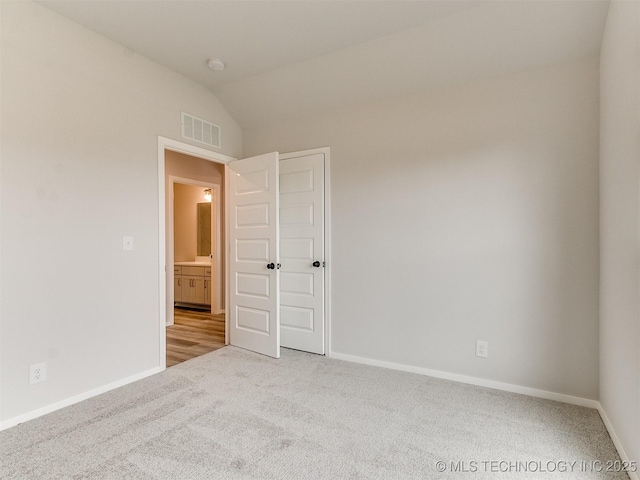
[(254, 280)]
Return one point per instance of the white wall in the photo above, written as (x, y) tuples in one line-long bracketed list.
[(467, 213), (80, 120), (620, 223)]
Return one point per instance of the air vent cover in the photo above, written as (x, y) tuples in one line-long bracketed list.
[(199, 130)]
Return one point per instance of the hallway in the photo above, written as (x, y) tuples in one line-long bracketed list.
[(193, 333)]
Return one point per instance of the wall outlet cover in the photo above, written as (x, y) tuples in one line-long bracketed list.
[(37, 373), (482, 349)]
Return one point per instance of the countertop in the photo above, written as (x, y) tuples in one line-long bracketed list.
[(192, 264)]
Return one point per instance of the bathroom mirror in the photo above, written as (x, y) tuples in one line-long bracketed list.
[(204, 229)]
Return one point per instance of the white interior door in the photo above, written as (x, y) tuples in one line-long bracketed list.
[(254, 289), (302, 253)]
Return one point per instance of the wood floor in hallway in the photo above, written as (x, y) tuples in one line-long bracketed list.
[(193, 333)]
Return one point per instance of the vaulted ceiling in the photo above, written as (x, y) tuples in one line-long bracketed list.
[(287, 59)]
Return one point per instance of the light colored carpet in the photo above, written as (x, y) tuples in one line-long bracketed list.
[(232, 414)]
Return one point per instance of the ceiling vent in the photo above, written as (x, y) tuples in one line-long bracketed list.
[(199, 130)]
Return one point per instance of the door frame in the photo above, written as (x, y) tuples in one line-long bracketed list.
[(165, 143), (216, 227)]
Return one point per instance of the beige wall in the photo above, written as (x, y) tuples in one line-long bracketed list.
[(80, 119), (620, 224), (185, 221), (185, 166), (467, 213)]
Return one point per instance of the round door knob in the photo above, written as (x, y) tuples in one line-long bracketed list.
[(271, 266), (316, 264)]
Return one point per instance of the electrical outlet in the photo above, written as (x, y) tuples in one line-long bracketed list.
[(37, 373), (482, 349)]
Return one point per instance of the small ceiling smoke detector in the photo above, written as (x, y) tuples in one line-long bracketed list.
[(216, 64)]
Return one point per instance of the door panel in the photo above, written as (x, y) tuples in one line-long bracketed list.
[(298, 248), (252, 285), (296, 318), (248, 216), (297, 283), (252, 182), (207, 291), (198, 289), (302, 244), (177, 289), (253, 250), (254, 291), (252, 319), (297, 215), (296, 182)]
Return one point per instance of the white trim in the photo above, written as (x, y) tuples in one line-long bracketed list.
[(164, 144), (227, 253), (326, 151), (181, 147), (216, 236), (327, 250), (481, 382), (77, 398), (616, 441), (306, 153), (162, 253)]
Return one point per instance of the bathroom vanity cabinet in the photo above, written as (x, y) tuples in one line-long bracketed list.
[(192, 284)]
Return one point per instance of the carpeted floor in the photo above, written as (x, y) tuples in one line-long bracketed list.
[(232, 414)]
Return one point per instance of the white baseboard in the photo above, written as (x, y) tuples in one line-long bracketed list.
[(76, 398), (481, 382), (616, 441)]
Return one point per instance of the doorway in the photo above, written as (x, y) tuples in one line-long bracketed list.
[(192, 283), (248, 181), (198, 324), (194, 241)]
